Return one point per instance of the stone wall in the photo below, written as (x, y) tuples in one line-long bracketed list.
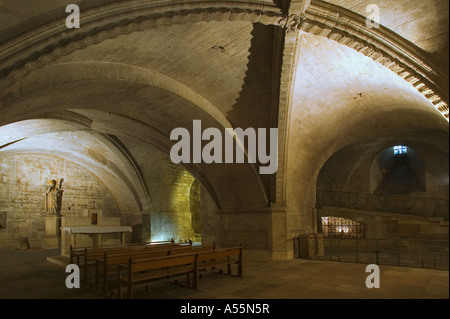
[(23, 184), (169, 188), (171, 216), (24, 180)]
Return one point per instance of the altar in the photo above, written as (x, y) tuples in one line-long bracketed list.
[(96, 233), (92, 230)]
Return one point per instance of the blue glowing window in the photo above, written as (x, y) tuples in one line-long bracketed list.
[(399, 150)]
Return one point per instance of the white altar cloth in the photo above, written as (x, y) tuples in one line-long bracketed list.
[(96, 232), (97, 229)]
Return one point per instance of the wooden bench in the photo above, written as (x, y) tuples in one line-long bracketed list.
[(200, 259), (194, 249), (107, 265), (209, 260), (75, 255), (154, 242), (89, 255), (142, 271)]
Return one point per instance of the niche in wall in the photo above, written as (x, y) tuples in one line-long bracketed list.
[(2, 220)]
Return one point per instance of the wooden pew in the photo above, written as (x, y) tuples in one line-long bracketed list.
[(75, 255), (195, 249), (154, 243), (89, 255), (136, 272), (208, 260), (201, 259), (107, 265)]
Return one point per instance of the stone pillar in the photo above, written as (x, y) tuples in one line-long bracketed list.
[(312, 246), (51, 239)]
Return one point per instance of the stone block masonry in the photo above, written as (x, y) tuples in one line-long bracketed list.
[(23, 182)]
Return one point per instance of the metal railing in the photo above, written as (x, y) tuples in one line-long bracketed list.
[(415, 253), (400, 204), (345, 229)]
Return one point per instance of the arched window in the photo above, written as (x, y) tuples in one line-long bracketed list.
[(400, 150), (397, 170)]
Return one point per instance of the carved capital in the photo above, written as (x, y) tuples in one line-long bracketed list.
[(290, 23)]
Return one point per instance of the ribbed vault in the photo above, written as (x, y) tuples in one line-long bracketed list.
[(136, 70)]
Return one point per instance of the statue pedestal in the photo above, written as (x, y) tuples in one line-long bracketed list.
[(52, 232)]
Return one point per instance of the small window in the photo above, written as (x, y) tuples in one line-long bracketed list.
[(93, 218), (400, 150)]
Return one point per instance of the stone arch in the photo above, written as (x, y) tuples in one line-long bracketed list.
[(360, 118), (341, 26), (348, 28), (349, 179), (57, 74), (383, 46), (51, 39), (59, 138), (397, 174)]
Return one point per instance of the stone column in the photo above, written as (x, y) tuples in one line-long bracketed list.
[(312, 245)]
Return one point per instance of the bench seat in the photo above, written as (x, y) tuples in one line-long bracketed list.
[(135, 272), (107, 265)]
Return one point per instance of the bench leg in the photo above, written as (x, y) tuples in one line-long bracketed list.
[(119, 290), (105, 283), (105, 279), (240, 268), (97, 275), (119, 286), (130, 290), (85, 271), (195, 276)]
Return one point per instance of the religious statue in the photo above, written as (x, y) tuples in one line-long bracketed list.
[(53, 198)]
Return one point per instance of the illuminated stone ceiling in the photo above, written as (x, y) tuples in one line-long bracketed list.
[(138, 70)]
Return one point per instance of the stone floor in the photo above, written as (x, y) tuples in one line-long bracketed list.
[(29, 275)]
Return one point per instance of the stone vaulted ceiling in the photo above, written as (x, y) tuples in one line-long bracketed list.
[(138, 69), (423, 23)]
